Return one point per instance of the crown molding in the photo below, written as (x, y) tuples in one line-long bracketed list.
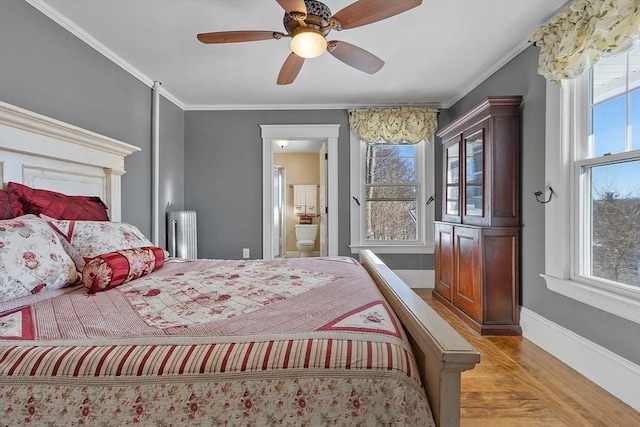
[(262, 107), (73, 28), (491, 71)]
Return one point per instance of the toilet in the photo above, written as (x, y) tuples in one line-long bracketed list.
[(306, 238)]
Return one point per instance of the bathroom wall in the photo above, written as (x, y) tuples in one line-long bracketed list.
[(300, 168)]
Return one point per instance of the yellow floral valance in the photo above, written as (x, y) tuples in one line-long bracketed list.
[(579, 34), (394, 125)]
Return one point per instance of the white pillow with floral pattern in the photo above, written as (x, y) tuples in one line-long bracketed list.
[(84, 240), (32, 259)]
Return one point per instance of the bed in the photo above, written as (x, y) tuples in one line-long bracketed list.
[(211, 342)]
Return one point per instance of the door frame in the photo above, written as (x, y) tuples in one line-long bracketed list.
[(269, 133)]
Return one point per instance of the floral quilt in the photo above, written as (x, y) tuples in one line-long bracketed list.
[(218, 342)]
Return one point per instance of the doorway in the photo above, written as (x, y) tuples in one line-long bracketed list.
[(326, 133)]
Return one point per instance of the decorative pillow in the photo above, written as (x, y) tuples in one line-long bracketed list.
[(115, 268), (31, 258), (84, 240), (5, 206), (27, 200)]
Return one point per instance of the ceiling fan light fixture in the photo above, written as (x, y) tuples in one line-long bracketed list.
[(308, 43)]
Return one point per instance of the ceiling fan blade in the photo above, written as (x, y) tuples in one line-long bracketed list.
[(290, 69), (355, 57), (293, 6), (365, 12), (238, 36)]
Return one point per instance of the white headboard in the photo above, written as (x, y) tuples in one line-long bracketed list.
[(41, 152)]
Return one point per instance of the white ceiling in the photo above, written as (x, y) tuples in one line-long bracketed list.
[(434, 54)]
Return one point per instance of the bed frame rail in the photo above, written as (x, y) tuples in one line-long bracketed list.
[(442, 354)]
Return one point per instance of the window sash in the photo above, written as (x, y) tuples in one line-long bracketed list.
[(413, 184), (625, 85), (582, 252)]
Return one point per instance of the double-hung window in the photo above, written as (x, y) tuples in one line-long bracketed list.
[(390, 210), (595, 166)]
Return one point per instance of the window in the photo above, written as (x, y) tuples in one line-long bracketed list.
[(389, 210), (599, 170), (390, 193), (609, 173)]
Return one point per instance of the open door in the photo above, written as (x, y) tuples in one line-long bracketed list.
[(323, 199)]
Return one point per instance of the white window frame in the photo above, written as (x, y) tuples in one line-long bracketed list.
[(566, 118), (425, 177)]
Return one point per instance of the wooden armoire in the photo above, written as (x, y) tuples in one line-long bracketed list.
[(477, 242)]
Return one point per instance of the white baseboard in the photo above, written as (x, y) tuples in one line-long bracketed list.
[(613, 373), (418, 278)]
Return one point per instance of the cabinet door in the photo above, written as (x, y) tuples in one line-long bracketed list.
[(500, 247), (467, 292), (451, 207), (474, 176), (444, 260)]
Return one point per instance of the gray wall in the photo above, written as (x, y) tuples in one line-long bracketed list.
[(48, 70), (223, 176), (519, 77)]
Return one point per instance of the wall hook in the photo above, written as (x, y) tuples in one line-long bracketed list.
[(431, 199), (357, 201), (539, 193)]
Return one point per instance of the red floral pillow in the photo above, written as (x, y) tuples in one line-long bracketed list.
[(5, 206), (112, 269), (27, 200)]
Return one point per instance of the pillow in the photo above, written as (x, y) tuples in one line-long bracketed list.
[(27, 200), (31, 258), (109, 270), (5, 206), (84, 240)]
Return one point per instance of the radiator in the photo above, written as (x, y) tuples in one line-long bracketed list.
[(182, 234)]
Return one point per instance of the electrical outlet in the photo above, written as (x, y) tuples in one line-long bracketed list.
[(245, 253)]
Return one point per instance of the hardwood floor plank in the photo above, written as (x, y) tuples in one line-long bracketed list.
[(518, 384), (513, 422), (476, 397)]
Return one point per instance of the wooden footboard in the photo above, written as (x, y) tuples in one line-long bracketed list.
[(441, 352)]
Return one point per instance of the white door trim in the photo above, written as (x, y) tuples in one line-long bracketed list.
[(329, 132)]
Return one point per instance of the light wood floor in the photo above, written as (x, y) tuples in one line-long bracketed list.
[(519, 384)]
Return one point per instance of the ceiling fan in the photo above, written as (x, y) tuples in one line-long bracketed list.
[(308, 22)]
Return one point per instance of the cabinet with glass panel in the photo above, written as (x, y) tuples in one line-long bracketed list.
[(477, 240), (481, 165)]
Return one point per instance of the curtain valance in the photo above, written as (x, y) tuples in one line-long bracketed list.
[(394, 125), (578, 35)]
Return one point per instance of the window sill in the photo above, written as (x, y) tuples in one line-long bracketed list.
[(394, 249), (625, 306)]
